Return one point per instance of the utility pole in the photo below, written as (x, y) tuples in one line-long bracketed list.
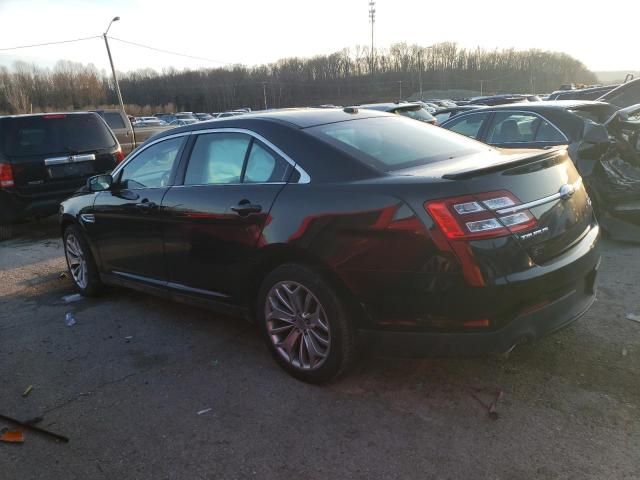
[(264, 94), (420, 72), (400, 85), (113, 69), (372, 19)]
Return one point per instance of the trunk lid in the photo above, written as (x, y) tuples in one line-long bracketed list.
[(545, 185)]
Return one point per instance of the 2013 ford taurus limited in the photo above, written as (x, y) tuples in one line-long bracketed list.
[(335, 229)]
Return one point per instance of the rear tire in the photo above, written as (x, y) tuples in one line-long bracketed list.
[(305, 324), (80, 262)]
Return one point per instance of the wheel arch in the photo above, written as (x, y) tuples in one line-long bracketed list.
[(273, 256)]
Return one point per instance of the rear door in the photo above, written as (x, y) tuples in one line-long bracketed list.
[(518, 129), (216, 217), (127, 225)]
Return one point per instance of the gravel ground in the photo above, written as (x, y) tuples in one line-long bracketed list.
[(126, 384)]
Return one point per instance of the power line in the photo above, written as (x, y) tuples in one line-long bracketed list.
[(49, 43), (172, 53)]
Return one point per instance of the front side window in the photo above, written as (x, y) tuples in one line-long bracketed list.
[(152, 167), (469, 125)]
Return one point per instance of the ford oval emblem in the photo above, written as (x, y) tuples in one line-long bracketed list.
[(567, 191)]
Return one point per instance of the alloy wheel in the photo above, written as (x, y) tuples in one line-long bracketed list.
[(77, 261), (297, 325)]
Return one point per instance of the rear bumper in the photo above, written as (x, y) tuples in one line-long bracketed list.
[(15, 205), (544, 299), (524, 328)]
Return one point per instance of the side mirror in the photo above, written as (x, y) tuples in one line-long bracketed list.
[(99, 183)]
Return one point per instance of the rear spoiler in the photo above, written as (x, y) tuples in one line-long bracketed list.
[(510, 161)]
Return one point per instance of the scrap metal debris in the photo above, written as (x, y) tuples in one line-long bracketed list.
[(76, 297), (490, 407), (30, 426), (12, 436), (633, 317), (27, 391), (69, 319), (206, 410)]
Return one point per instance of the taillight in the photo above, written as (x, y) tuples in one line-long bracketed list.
[(53, 116), (476, 217), (119, 155), (6, 175)]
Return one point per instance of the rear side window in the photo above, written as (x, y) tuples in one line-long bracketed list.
[(51, 134), (264, 166), (468, 125), (516, 127), (114, 120), (394, 143)]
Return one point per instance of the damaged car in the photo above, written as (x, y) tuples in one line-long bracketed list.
[(601, 141)]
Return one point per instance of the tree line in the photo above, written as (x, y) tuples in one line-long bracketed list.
[(350, 76)]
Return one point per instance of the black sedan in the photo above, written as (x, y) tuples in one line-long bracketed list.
[(335, 229), (609, 167)]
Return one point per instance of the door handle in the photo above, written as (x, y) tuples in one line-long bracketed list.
[(245, 207), (146, 206)]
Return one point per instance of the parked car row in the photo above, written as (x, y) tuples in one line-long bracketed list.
[(337, 227)]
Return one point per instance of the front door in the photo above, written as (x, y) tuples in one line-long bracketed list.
[(128, 218), (215, 219)]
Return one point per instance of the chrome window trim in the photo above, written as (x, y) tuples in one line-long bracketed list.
[(304, 176), (541, 201), (535, 114)]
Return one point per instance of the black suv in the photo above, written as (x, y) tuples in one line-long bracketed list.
[(44, 158)]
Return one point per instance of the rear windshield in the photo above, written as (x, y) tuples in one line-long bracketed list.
[(47, 134), (395, 143)]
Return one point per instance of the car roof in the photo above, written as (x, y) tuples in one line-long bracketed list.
[(25, 115), (297, 118), (546, 105), (389, 106)]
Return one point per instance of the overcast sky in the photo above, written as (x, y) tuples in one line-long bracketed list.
[(258, 31)]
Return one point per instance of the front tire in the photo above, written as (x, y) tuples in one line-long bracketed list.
[(305, 324), (80, 262)]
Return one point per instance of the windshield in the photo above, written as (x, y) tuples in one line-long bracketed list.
[(56, 133), (395, 143)]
